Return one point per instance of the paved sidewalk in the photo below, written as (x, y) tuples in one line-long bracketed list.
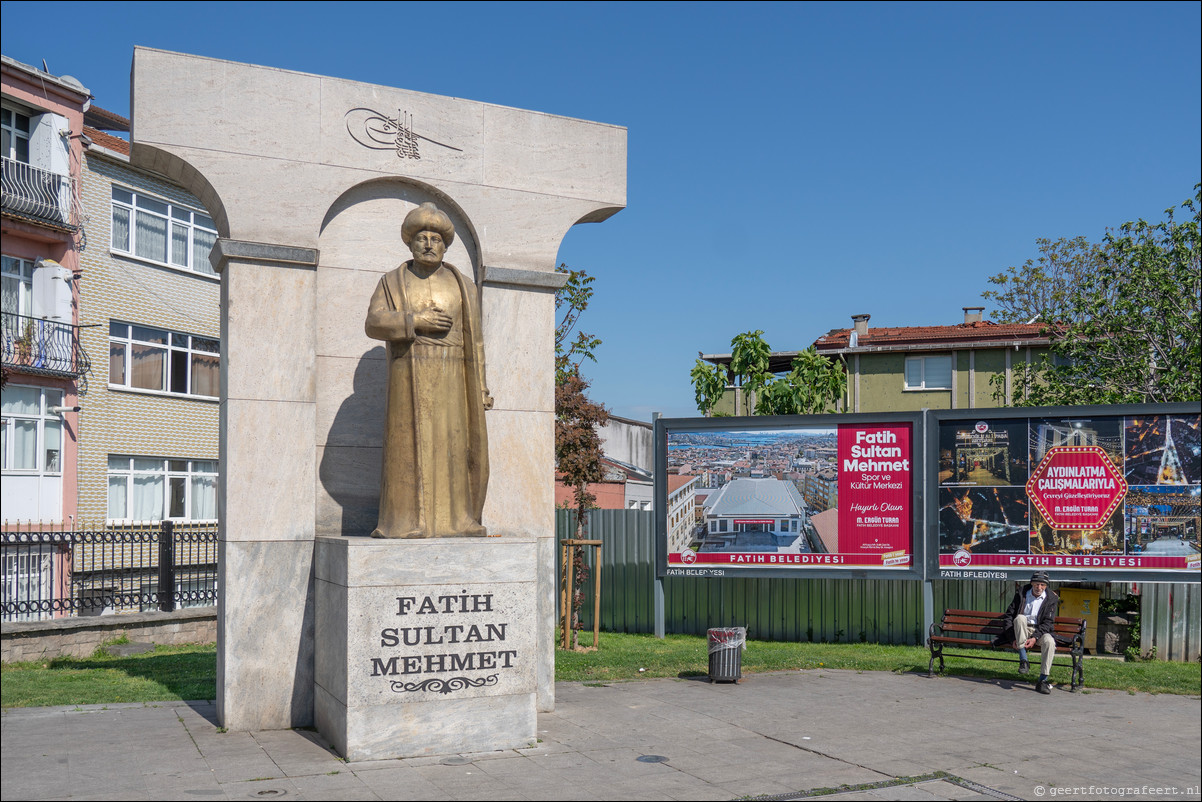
[(783, 735)]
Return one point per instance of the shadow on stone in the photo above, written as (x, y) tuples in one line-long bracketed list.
[(206, 710), (350, 463)]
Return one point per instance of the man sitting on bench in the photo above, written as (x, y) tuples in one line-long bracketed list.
[(1032, 615)]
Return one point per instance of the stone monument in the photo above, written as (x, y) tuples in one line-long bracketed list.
[(390, 646)]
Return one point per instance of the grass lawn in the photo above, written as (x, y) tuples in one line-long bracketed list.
[(625, 657), (190, 672), (166, 674)]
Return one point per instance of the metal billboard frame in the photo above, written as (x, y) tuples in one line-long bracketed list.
[(918, 565), (930, 481)]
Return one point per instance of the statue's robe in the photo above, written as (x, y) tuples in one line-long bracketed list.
[(435, 471)]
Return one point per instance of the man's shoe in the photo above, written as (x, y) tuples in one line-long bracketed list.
[(1043, 686), (1024, 666)]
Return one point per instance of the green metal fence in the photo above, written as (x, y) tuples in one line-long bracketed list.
[(785, 609), (788, 609)]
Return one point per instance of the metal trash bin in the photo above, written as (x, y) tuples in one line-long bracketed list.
[(726, 646)]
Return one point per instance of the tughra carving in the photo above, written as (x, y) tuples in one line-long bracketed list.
[(435, 471)]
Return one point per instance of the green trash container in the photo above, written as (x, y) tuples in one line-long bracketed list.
[(726, 645)]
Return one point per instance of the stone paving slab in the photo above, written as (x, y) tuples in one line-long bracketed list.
[(786, 735)]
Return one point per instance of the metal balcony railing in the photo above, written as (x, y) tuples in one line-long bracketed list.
[(42, 347), (39, 194)]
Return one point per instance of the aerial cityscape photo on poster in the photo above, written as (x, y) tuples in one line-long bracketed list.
[(1117, 492), (804, 497)]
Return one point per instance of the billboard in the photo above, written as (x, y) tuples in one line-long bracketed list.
[(814, 495), (1101, 492)]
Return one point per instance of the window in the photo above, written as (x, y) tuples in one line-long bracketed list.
[(28, 574), (16, 135), (928, 373), (153, 489), (16, 286), (32, 433), (162, 232), (157, 360)]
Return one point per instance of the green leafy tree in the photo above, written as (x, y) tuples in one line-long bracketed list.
[(1044, 288), (1129, 332), (572, 347), (709, 383), (577, 418), (815, 384), (749, 355)]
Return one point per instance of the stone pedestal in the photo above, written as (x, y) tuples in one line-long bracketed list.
[(425, 647)]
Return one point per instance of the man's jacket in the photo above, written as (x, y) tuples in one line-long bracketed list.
[(1046, 620)]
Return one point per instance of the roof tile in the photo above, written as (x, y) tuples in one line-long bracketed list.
[(981, 331)]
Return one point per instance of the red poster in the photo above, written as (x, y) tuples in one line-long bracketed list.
[(875, 475)]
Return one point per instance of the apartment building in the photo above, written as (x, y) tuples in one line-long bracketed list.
[(151, 302), (962, 366), (45, 367)]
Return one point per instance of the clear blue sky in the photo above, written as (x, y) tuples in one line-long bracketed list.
[(790, 164)]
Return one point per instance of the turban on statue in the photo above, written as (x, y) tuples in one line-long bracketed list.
[(427, 217)]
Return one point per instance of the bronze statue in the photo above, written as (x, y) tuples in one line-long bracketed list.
[(435, 445)]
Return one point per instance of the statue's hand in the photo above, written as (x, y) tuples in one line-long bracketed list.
[(432, 319), (487, 400)]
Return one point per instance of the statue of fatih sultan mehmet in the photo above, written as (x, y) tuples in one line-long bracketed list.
[(435, 446)]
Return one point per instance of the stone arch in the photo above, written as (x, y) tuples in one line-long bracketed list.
[(363, 226), (359, 241), (168, 164)]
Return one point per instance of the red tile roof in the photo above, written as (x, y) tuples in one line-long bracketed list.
[(984, 331), (104, 119), (676, 482), (106, 140)]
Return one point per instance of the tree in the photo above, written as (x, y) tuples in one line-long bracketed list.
[(571, 300), (749, 356), (578, 459), (1129, 331), (709, 383), (577, 443), (813, 385), (1043, 288)]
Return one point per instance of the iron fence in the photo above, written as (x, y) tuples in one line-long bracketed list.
[(160, 565)]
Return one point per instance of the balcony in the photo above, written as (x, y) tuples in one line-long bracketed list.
[(39, 195), (42, 347)]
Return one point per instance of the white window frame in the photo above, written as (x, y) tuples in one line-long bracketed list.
[(18, 270), (922, 361), (13, 133), (125, 337), (177, 220), (40, 419), (27, 575), (174, 472)]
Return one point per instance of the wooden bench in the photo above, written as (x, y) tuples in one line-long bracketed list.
[(976, 629)]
